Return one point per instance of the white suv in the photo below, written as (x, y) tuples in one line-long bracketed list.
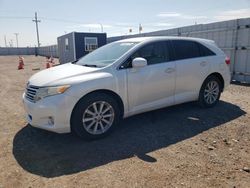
[(125, 78)]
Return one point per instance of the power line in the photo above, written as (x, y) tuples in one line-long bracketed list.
[(45, 18), (57, 20), (37, 33), (62, 20), (14, 17)]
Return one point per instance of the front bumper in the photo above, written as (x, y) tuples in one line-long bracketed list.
[(51, 113)]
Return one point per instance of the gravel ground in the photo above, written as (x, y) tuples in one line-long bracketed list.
[(180, 146)]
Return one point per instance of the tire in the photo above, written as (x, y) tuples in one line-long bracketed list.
[(95, 116), (210, 92)]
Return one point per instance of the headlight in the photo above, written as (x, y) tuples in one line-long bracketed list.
[(49, 91)]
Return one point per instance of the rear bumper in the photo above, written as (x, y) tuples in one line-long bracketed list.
[(51, 113)]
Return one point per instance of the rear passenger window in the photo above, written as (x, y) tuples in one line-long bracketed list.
[(185, 49), (190, 49)]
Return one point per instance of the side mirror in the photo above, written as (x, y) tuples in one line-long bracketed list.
[(139, 62)]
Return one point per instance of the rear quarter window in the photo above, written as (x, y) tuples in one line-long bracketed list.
[(204, 51)]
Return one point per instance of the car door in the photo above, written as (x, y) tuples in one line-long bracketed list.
[(191, 69), (152, 86)]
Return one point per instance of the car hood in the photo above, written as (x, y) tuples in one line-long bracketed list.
[(56, 75)]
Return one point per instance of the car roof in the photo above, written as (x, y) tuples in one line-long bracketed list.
[(159, 38)]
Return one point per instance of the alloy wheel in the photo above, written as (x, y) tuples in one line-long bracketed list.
[(98, 117), (211, 92)]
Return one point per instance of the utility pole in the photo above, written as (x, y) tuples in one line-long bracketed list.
[(37, 33), (101, 27), (140, 28), (11, 43), (16, 39), (5, 41)]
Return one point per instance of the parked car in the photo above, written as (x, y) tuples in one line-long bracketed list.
[(124, 78)]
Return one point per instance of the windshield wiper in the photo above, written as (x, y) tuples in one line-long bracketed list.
[(88, 65), (74, 62)]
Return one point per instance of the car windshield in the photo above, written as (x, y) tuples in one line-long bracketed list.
[(106, 55)]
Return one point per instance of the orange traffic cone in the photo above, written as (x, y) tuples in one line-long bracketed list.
[(52, 60), (47, 63), (21, 63)]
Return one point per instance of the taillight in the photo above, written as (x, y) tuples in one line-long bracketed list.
[(227, 60)]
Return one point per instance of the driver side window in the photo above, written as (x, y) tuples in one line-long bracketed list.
[(154, 53)]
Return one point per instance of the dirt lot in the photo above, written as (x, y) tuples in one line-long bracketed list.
[(181, 146)]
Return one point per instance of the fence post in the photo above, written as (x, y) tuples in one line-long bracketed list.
[(235, 46)]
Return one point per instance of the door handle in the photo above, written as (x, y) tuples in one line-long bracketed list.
[(203, 63), (169, 70)]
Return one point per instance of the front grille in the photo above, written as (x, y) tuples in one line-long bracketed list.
[(31, 93)]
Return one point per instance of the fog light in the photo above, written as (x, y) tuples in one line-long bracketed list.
[(51, 121)]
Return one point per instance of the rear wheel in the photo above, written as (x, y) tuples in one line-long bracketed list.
[(210, 92), (95, 116)]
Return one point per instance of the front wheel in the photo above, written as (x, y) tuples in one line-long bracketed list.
[(95, 116), (210, 92)]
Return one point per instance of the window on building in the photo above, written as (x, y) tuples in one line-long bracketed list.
[(66, 44), (91, 44)]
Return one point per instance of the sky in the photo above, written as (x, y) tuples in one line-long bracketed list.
[(115, 17)]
